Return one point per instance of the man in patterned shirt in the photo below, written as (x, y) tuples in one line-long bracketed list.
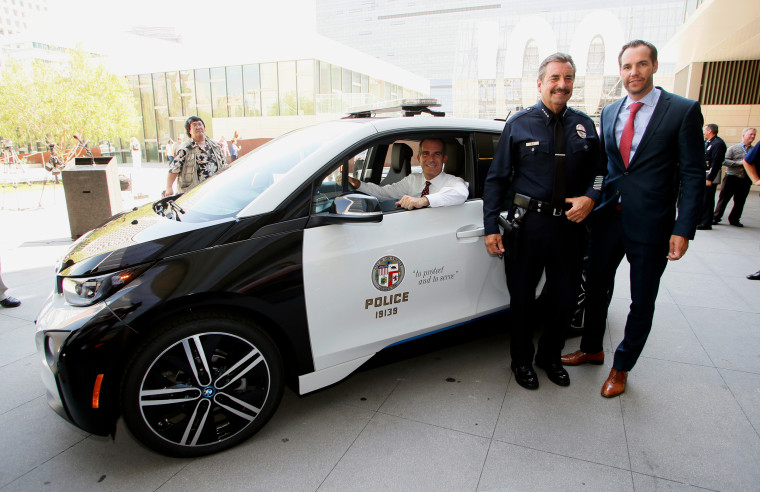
[(196, 159)]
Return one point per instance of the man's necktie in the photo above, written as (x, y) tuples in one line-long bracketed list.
[(627, 137), (426, 189)]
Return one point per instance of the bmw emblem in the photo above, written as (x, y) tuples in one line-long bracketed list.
[(208, 391)]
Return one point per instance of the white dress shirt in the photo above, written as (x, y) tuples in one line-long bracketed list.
[(445, 189)]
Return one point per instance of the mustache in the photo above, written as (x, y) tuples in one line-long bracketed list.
[(560, 91)]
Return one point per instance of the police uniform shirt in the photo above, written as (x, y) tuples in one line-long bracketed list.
[(525, 154)]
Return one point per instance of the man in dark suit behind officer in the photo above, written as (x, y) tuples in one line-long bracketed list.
[(653, 150), (549, 157), (715, 153)]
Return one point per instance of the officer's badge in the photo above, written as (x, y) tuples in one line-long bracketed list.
[(581, 130)]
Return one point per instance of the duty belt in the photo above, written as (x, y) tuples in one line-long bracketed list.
[(539, 206)]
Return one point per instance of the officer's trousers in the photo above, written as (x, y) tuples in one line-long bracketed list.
[(555, 245)]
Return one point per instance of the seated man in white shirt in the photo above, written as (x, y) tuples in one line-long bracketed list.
[(432, 188)]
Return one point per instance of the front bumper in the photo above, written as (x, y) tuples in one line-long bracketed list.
[(75, 345)]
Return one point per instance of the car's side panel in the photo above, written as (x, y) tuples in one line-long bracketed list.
[(351, 316), (260, 275)]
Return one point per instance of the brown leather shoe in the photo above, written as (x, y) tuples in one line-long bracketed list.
[(615, 383), (580, 357)]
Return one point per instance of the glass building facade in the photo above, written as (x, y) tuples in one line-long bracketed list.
[(482, 57), (282, 88)]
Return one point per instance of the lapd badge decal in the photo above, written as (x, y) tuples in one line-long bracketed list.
[(387, 273), (581, 130)]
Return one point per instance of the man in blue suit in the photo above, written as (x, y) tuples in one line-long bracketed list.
[(652, 142)]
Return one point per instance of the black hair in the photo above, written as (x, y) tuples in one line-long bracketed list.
[(190, 121), (635, 44)]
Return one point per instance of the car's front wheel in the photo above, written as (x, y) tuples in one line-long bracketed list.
[(201, 384)]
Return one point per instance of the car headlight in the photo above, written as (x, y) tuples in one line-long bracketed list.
[(84, 291)]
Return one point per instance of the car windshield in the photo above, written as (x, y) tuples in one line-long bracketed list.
[(229, 192)]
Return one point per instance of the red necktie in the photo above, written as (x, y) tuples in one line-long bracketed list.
[(627, 137), (426, 189)]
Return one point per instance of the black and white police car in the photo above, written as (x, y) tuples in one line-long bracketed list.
[(188, 316)]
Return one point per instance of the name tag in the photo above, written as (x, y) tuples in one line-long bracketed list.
[(530, 144)]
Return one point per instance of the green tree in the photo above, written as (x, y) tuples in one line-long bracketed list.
[(50, 102)]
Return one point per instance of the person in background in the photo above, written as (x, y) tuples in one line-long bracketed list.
[(234, 149), (750, 163), (136, 151), (715, 153), (225, 149), (736, 184), (196, 160), (170, 151), (5, 300)]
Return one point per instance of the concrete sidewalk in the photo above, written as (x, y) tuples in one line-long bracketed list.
[(444, 412)]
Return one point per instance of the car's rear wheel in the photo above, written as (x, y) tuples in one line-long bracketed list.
[(202, 384)]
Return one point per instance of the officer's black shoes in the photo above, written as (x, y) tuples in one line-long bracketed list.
[(557, 374), (525, 376), (754, 276), (736, 224)]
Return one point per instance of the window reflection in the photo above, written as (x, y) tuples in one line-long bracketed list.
[(252, 90), (269, 96), (235, 91), (297, 87)]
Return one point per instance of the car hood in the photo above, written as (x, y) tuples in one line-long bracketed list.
[(137, 237)]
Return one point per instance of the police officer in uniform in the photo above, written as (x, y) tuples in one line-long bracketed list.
[(548, 157)]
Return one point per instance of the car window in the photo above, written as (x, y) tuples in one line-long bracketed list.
[(229, 192), (485, 148), (333, 184)]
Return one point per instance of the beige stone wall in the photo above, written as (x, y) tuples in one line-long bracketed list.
[(731, 120)]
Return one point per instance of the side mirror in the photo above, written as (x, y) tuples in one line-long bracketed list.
[(355, 204), (349, 208)]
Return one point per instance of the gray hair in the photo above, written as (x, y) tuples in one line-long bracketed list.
[(556, 57)]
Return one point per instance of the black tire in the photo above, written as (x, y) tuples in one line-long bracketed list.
[(176, 396)]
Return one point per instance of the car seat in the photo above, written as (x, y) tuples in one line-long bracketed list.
[(401, 163)]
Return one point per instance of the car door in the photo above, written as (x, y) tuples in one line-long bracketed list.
[(373, 284)]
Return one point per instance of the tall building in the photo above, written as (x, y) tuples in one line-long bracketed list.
[(482, 56), (718, 63), (15, 15)]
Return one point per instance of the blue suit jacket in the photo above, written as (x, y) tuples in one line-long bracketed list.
[(666, 172)]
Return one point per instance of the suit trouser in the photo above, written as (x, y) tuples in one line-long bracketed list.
[(556, 245), (738, 188), (707, 212), (647, 263)]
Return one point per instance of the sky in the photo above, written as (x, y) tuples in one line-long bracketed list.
[(216, 26)]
